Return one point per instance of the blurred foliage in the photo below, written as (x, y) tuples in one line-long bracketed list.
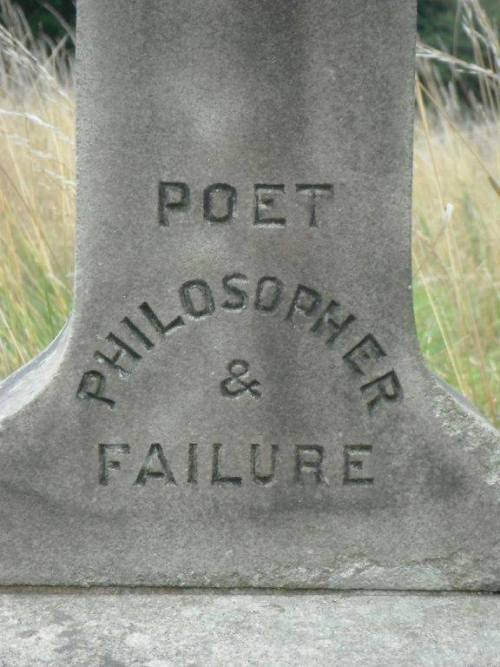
[(43, 21), (440, 25), (437, 24)]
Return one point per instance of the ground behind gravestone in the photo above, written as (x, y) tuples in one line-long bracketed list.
[(456, 198)]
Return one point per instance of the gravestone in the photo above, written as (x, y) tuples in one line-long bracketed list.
[(239, 399)]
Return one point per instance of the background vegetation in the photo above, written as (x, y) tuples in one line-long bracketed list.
[(50, 17), (456, 188)]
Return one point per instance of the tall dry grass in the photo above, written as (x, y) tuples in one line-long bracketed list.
[(37, 190), (456, 212), (456, 203)]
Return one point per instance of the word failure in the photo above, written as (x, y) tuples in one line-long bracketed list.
[(220, 203), (328, 320), (299, 465)]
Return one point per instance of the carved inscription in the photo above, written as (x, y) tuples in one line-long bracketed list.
[(325, 318), (220, 203), (213, 465), (355, 458), (236, 384), (299, 306)]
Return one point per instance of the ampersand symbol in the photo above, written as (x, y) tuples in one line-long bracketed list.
[(235, 385)]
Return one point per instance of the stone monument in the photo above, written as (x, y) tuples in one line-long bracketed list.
[(238, 399)]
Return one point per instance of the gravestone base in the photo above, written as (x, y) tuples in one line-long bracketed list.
[(159, 627)]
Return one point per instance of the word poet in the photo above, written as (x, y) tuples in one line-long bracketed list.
[(220, 203)]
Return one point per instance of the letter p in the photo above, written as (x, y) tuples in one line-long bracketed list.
[(172, 197)]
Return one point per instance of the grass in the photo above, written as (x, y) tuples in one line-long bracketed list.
[(456, 214), (37, 191), (456, 203)]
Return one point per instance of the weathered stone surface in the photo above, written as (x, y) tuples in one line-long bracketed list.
[(161, 629), (243, 282)]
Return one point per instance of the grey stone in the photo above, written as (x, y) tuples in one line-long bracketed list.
[(156, 629), (230, 152)]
